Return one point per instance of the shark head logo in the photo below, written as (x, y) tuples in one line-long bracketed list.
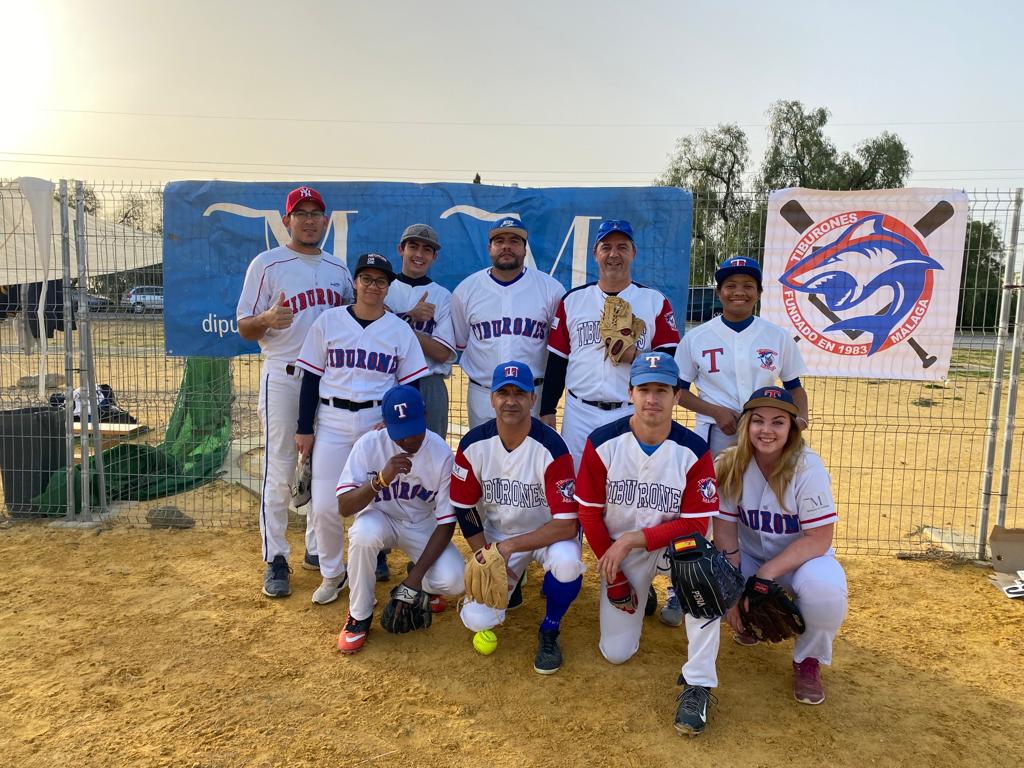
[(868, 279)]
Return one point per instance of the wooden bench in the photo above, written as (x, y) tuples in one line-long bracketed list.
[(110, 434)]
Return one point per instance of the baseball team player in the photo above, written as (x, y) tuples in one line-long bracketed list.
[(597, 386), (645, 480), (285, 290), (777, 517), (512, 486), (426, 306), (396, 481), (351, 356), (733, 354), (502, 313)]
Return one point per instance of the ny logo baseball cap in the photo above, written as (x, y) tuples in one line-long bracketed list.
[(509, 224), (738, 265), (773, 397), (653, 367), (404, 412), (512, 372), (374, 261), (614, 225), (302, 195)]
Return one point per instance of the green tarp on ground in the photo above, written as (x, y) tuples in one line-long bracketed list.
[(195, 444)]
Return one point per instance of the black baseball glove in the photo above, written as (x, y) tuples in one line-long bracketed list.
[(407, 610), (706, 583), (768, 612)]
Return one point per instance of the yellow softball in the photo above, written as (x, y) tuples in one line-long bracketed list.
[(485, 642)]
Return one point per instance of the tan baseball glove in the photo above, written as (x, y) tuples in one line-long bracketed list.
[(486, 577), (620, 329)]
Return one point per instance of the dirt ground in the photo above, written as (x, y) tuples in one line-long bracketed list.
[(155, 648)]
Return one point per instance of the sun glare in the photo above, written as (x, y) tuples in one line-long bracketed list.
[(28, 58)]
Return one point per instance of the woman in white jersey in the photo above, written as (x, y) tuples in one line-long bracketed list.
[(776, 520)]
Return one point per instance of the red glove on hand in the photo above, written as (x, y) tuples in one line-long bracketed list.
[(621, 594)]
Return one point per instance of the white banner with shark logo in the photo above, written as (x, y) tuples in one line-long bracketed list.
[(867, 281)]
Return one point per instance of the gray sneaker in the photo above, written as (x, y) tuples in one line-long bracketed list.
[(549, 653), (672, 613), (275, 579), (692, 712)]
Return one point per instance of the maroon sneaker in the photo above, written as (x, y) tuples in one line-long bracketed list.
[(807, 682)]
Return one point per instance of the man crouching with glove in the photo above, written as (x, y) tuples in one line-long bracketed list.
[(396, 482)]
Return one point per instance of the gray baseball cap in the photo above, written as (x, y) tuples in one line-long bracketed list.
[(423, 233)]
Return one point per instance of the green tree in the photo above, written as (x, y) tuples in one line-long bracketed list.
[(981, 279)]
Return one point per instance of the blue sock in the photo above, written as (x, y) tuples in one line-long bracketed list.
[(559, 595)]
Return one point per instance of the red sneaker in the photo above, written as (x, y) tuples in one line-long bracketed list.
[(807, 682), (438, 604), (353, 636)]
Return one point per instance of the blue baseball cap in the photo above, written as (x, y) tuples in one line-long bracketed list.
[(507, 224), (738, 265), (653, 367), (512, 372), (614, 225), (772, 397), (404, 412)]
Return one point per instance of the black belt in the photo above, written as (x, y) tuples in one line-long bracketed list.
[(604, 406), (290, 370), (536, 382), (348, 405)]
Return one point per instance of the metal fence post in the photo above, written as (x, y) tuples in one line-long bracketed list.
[(997, 382), (69, 366), (1011, 403)]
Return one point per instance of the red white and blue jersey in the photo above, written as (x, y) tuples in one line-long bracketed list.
[(358, 363), (310, 285), (419, 495), (576, 336), (496, 321), (667, 494), (402, 297), (514, 491), (767, 527)]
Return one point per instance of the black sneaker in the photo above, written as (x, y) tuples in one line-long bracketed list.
[(692, 712), (275, 578), (516, 598), (549, 654), (652, 602), (382, 572)]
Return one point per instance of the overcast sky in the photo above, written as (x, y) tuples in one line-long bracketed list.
[(539, 93)]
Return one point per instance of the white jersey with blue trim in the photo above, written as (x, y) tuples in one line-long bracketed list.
[(767, 527), (357, 363), (496, 321), (403, 296), (310, 284), (418, 495)]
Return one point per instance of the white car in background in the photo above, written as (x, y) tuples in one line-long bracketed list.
[(145, 298)]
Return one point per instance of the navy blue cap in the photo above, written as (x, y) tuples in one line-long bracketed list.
[(512, 372), (653, 367), (614, 225), (772, 397), (507, 224), (403, 411), (738, 265), (374, 261)]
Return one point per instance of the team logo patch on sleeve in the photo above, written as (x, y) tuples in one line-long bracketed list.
[(459, 471), (708, 489), (566, 489), (670, 318)]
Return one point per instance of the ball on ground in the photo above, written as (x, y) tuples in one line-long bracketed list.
[(485, 642)]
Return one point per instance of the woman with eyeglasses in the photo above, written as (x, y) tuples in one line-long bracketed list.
[(776, 521), (352, 356)]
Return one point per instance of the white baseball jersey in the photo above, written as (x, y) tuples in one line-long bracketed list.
[(767, 527), (727, 366), (666, 494), (515, 491), (576, 335), (310, 285), (415, 497), (403, 296), (495, 321), (358, 363)]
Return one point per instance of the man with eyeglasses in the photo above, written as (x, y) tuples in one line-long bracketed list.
[(351, 357), (285, 290), (501, 313)]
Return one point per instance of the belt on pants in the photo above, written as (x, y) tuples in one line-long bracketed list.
[(536, 382), (602, 404), (348, 405)]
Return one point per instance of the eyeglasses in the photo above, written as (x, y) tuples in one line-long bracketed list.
[(379, 282), (308, 215)]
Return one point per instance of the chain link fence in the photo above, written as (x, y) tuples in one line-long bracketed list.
[(916, 466)]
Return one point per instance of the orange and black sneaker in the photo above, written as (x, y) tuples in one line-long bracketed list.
[(353, 636)]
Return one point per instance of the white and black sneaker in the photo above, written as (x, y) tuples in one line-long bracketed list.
[(692, 712), (549, 653)]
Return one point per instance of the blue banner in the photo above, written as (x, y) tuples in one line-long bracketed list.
[(213, 229)]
